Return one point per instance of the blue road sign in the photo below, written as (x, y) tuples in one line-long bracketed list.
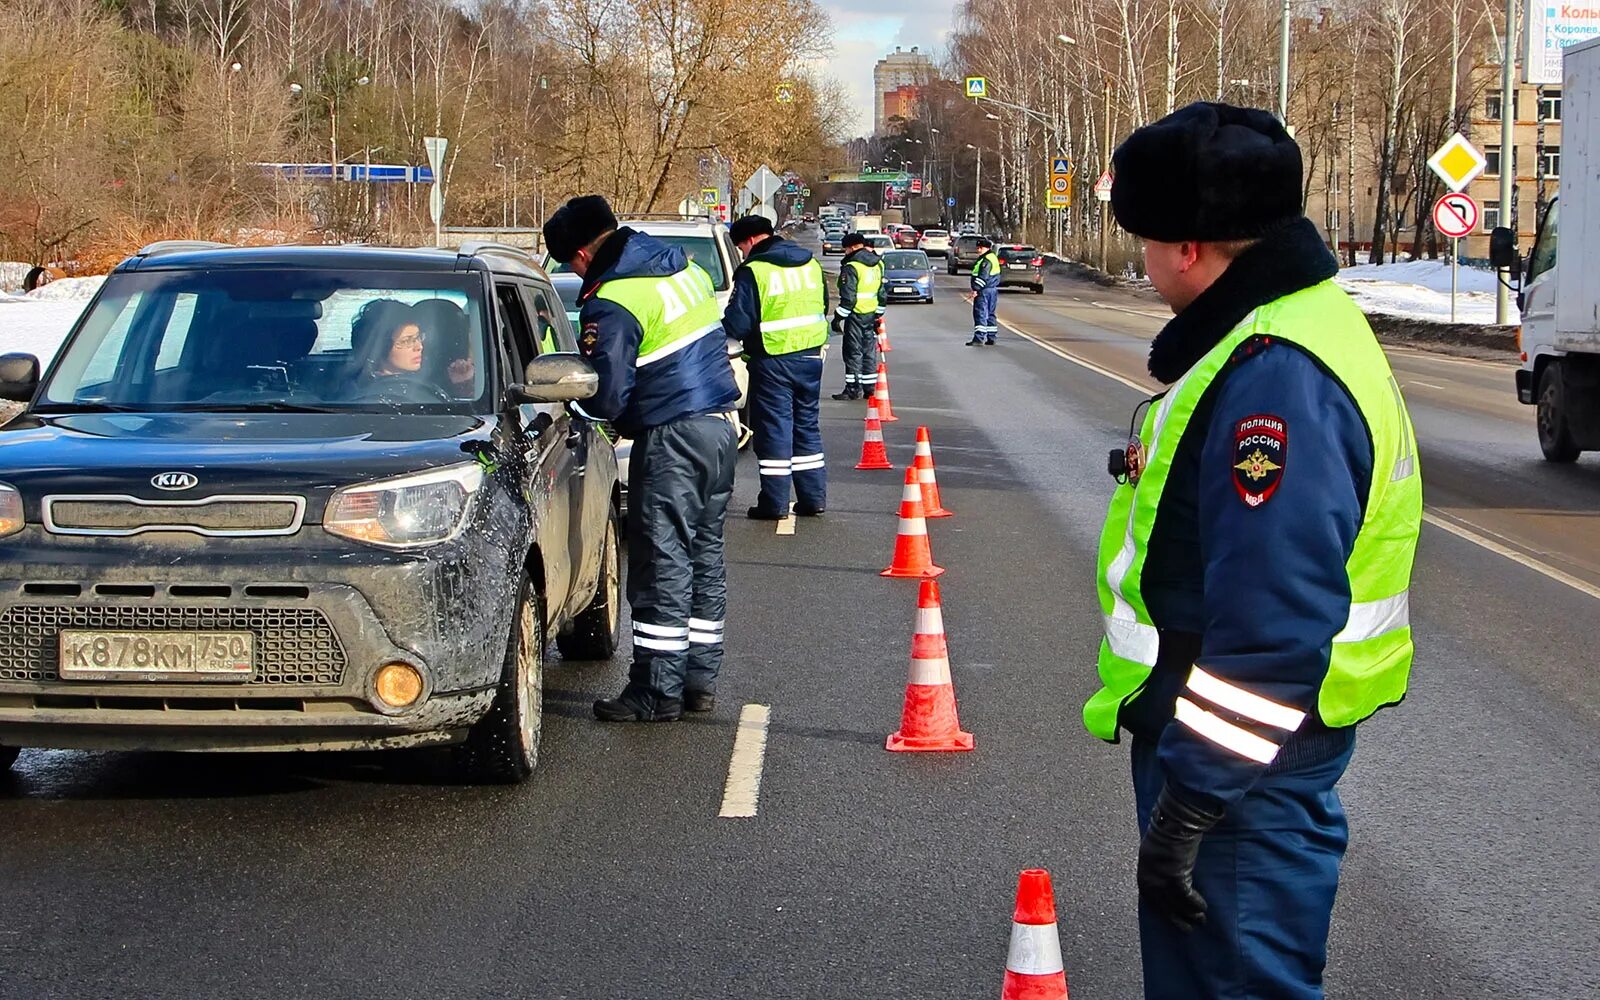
[(1060, 165), (950, 202)]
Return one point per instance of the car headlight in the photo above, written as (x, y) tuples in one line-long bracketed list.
[(926, 279), (10, 510), (408, 511)]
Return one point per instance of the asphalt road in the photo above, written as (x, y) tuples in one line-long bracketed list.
[(1472, 870)]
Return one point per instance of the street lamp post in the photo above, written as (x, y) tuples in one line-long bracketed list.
[(977, 190)]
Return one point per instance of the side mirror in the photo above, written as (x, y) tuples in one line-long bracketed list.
[(1503, 249), (19, 377), (556, 378)]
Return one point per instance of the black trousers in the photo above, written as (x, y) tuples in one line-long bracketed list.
[(784, 391), (861, 352), (680, 477)]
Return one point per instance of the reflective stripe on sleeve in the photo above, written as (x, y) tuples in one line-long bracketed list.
[(1245, 703), (1225, 734)]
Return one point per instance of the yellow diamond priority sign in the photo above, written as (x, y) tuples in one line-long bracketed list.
[(1457, 162)]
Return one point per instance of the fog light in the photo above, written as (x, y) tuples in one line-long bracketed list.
[(398, 685)]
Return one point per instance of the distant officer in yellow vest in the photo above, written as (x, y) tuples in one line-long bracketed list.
[(860, 305), (652, 330), (779, 311), (1255, 563)]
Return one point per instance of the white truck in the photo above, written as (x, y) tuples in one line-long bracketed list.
[(869, 224), (1560, 294)]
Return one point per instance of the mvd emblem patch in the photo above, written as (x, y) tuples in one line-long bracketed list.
[(1260, 449)]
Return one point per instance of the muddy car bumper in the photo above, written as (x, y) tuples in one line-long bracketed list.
[(322, 627)]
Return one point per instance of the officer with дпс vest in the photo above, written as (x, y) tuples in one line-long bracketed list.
[(779, 311), (985, 295), (860, 305), (651, 328), (1255, 561)]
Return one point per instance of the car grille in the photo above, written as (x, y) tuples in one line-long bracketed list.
[(214, 516), (293, 645)]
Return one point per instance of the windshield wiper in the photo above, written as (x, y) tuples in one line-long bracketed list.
[(253, 408)]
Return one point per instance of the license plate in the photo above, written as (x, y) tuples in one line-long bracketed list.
[(92, 655), (1018, 267), (905, 290)]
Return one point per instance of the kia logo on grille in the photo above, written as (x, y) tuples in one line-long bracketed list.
[(175, 481)]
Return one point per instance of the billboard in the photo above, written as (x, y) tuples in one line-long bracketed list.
[(1550, 26)]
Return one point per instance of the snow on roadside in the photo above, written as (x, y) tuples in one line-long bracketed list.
[(35, 326), (78, 290), (1421, 290), (12, 274)]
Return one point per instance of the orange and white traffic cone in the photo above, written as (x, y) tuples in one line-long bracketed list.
[(923, 463), (883, 336), (928, 722), (1033, 968), (873, 453), (880, 395), (913, 558)]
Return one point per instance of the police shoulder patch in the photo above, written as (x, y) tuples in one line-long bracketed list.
[(591, 336), (1260, 450)]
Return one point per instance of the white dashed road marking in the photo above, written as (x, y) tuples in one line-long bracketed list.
[(743, 790)]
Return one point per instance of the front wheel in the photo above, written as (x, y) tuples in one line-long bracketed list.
[(597, 628), (1555, 437), (503, 747)]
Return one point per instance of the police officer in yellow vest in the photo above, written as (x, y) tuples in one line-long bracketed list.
[(1255, 561), (779, 311), (860, 305), (651, 328)]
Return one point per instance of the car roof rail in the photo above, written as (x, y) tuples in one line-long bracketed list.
[(472, 248), (665, 217), (180, 246)]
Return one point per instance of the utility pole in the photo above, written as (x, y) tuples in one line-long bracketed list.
[(1105, 205), (1283, 65), (977, 193), (1508, 158)]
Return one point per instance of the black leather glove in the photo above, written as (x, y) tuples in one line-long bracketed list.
[(1167, 855), (837, 326)]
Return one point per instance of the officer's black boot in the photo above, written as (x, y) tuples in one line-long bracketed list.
[(699, 701), (624, 709), (851, 392)]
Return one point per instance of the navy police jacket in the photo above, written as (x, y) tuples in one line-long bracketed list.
[(1252, 590), (742, 321), (695, 380)]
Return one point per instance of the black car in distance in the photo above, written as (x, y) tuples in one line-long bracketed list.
[(303, 498)]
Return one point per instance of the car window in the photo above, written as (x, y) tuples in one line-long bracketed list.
[(703, 251), (259, 338), (550, 315), (568, 292), (1017, 253), (906, 260), (515, 332), (1543, 257), (935, 233)]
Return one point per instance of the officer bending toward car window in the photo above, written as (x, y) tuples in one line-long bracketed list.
[(779, 311), (651, 329), (860, 305), (985, 295), (1255, 562)]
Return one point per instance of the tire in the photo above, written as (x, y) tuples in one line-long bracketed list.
[(597, 629), (1555, 437), (8, 756), (1038, 289), (502, 748)]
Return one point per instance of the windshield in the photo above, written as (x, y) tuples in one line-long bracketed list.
[(934, 234), (1543, 257), (241, 339), (905, 260)]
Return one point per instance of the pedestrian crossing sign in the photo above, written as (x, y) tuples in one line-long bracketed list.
[(977, 87), (1060, 165)]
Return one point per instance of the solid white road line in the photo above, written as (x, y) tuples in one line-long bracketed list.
[(743, 790), (1482, 541), (1521, 558)]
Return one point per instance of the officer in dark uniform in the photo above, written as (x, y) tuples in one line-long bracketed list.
[(985, 295), (860, 304), (1255, 563), (779, 311), (651, 327)]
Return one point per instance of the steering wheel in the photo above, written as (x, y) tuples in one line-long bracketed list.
[(406, 387)]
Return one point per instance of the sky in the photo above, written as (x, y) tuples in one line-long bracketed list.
[(865, 31)]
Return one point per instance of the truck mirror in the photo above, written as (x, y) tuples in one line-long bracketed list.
[(1503, 249)]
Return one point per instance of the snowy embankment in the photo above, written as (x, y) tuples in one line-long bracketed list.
[(1420, 289), (37, 323)]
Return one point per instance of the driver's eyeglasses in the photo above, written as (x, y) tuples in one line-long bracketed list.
[(409, 341)]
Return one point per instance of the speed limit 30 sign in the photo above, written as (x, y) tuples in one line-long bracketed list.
[(1455, 215)]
